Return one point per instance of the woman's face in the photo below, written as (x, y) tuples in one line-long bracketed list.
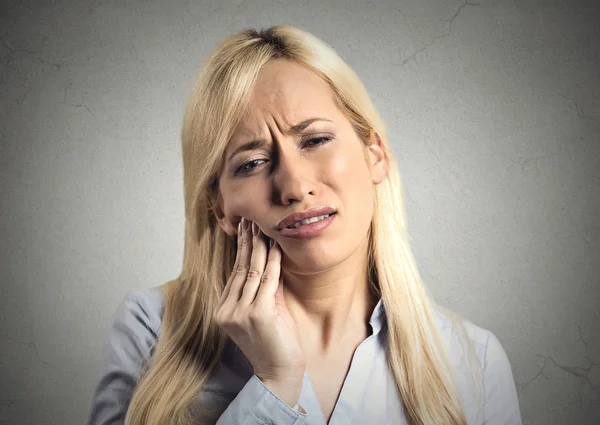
[(322, 164)]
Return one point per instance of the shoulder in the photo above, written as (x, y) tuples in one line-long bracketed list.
[(142, 308), (490, 353), (128, 345), (498, 387), (453, 326), (149, 300), (135, 328)]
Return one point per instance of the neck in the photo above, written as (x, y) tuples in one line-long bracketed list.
[(333, 307)]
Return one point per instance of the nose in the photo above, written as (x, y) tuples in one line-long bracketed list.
[(293, 178)]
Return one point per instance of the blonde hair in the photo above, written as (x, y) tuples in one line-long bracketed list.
[(190, 344)]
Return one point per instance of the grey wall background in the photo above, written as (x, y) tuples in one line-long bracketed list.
[(493, 109)]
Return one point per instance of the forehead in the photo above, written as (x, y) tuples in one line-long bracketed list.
[(289, 93)]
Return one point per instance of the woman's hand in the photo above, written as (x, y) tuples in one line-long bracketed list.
[(252, 311)]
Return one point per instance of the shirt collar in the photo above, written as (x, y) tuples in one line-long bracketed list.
[(378, 317)]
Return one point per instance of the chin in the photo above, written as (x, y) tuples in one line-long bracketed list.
[(311, 261)]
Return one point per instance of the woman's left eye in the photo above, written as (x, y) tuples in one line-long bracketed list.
[(318, 140)]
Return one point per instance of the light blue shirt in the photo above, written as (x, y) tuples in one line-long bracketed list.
[(237, 396)]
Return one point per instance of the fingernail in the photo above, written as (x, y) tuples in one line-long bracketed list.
[(270, 243), (239, 228), (254, 229)]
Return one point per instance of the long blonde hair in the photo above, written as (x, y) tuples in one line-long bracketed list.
[(190, 343)]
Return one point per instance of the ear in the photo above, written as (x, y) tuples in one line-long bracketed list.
[(224, 222), (378, 161)]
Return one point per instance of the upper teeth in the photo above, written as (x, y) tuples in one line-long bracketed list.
[(308, 221)]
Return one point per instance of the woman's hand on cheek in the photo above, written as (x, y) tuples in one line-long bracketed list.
[(253, 312)]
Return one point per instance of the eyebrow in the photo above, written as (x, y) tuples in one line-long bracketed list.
[(295, 129)]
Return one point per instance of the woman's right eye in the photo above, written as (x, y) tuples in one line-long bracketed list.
[(245, 168)]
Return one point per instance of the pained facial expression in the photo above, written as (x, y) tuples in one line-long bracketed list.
[(323, 164)]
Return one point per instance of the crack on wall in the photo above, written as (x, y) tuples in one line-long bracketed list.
[(578, 109), (39, 54), (11, 50), (579, 372), (524, 162), (31, 345), (397, 10), (450, 22), (75, 105), (523, 385), (8, 58)]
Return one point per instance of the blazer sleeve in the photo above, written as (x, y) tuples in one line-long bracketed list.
[(130, 341), (501, 401), (256, 404)]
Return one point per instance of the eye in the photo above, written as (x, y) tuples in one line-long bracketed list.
[(247, 167), (319, 140)]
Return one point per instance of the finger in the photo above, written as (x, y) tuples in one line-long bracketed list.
[(279, 299), (238, 257), (240, 272), (271, 276), (257, 266)]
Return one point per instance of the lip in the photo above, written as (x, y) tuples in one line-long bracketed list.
[(308, 230), (299, 216)]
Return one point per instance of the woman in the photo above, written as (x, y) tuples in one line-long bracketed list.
[(299, 301)]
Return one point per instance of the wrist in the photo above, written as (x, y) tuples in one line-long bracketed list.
[(291, 376)]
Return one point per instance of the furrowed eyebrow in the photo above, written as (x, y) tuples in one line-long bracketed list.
[(295, 129)]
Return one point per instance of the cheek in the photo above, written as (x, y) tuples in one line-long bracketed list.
[(349, 169), (352, 178), (236, 202)]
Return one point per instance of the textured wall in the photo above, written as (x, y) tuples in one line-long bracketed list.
[(493, 109)]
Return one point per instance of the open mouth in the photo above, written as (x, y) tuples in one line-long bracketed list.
[(309, 221)]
